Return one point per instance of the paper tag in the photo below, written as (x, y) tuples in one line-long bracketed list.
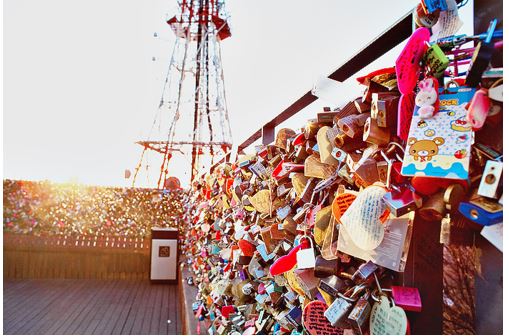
[(362, 218), (387, 320), (389, 253), (448, 23)]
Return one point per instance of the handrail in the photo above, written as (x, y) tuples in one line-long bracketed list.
[(390, 38)]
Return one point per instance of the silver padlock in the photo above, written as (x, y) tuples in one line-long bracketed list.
[(339, 310), (306, 257)]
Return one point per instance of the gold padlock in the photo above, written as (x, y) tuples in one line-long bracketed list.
[(352, 125), (361, 106), (374, 134)]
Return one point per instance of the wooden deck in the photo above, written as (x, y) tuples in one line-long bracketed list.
[(88, 306)]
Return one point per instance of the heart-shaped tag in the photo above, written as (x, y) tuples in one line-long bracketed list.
[(315, 322), (387, 320), (407, 64), (362, 218)]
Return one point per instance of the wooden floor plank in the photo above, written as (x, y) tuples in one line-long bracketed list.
[(60, 303), (124, 311), (54, 318), (89, 314), (121, 302), (87, 296), (110, 316), (49, 292), (86, 306), (19, 315), (139, 313), (99, 306)]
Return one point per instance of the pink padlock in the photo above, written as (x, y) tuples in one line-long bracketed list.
[(407, 298), (478, 109)]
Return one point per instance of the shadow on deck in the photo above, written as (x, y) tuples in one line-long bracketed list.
[(88, 306)]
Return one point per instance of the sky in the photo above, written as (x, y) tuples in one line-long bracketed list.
[(83, 79)]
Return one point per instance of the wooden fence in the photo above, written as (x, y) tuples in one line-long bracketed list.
[(75, 257)]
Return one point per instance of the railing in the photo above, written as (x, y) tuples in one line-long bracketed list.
[(386, 41), (32, 257)]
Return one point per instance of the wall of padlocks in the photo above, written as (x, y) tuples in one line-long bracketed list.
[(311, 234)]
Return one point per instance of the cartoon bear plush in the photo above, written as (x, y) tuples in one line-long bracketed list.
[(424, 149)]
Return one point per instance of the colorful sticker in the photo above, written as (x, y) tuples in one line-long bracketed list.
[(440, 146)]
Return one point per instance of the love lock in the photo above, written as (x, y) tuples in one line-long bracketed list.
[(306, 257)]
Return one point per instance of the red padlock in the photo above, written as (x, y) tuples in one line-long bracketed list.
[(287, 262)]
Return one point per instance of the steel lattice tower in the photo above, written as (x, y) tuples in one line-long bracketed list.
[(193, 102)]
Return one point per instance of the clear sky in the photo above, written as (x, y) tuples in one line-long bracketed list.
[(80, 85)]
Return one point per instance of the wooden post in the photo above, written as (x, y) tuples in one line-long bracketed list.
[(424, 270)]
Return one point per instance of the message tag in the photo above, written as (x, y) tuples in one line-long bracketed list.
[(440, 146), (448, 23), (391, 253), (407, 64), (362, 218), (387, 320), (315, 322)]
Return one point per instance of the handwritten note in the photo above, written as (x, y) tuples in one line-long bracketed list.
[(391, 251), (362, 218), (407, 64), (315, 321)]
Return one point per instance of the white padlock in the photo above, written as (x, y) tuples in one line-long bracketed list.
[(306, 257)]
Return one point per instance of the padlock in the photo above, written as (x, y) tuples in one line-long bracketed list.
[(349, 109), (324, 268), (433, 209), (306, 257), (332, 285), (386, 113), (375, 134), (478, 108), (372, 87), (353, 125), (367, 172), (339, 310), (312, 126), (307, 281), (407, 298), (282, 136), (294, 316), (481, 210), (348, 144), (326, 117), (490, 183), (365, 270), (361, 106), (402, 201), (436, 61), (360, 312)]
